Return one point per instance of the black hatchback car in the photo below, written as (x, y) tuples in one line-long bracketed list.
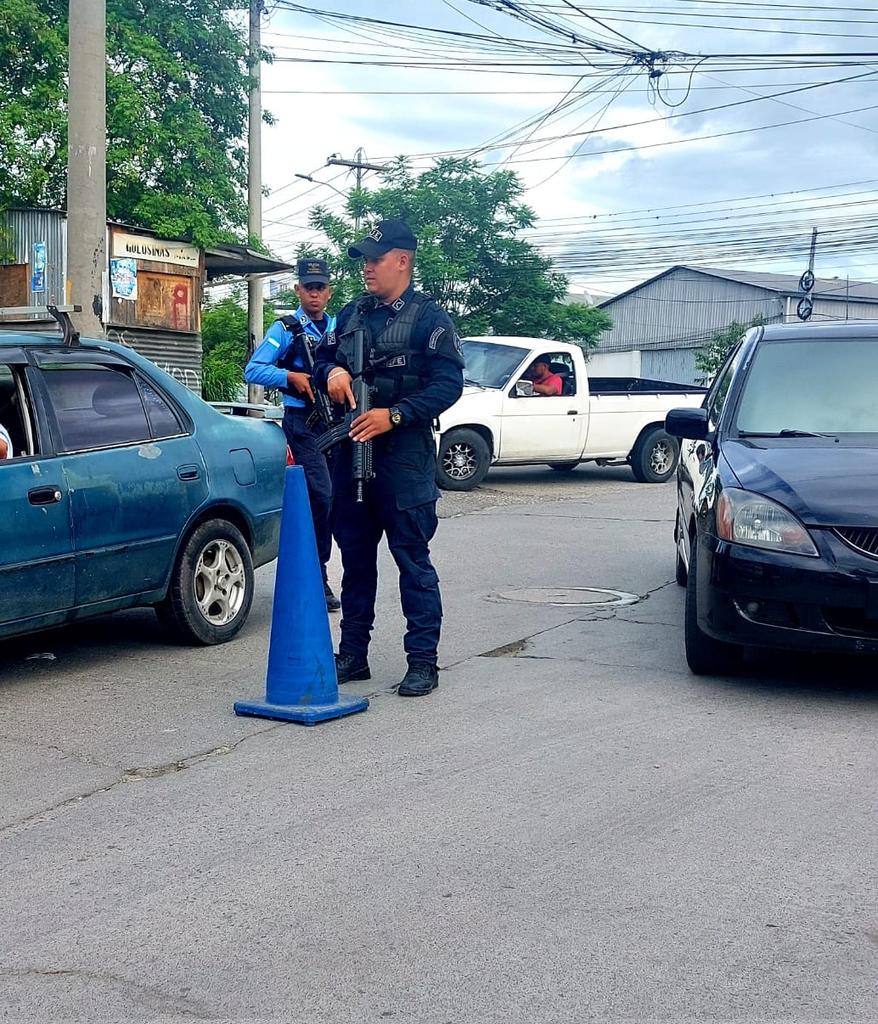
[(777, 496)]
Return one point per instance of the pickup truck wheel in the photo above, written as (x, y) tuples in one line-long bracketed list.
[(211, 586), (704, 655), (654, 457), (563, 467), (464, 459)]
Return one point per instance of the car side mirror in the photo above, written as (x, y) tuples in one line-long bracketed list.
[(524, 389), (688, 423)]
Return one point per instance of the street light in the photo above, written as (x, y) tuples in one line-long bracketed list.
[(314, 181)]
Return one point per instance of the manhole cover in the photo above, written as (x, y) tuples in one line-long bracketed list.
[(565, 597)]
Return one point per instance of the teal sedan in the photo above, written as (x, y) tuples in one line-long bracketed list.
[(122, 488)]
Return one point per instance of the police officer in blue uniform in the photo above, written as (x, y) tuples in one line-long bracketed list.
[(414, 365), (284, 361)]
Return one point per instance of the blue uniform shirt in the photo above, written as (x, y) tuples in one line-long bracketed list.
[(262, 367), (433, 333)]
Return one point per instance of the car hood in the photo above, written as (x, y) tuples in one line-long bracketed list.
[(823, 483)]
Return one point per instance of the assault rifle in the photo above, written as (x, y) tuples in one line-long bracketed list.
[(322, 411), (361, 457)]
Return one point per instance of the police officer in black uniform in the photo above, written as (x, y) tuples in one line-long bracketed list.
[(284, 361), (414, 364)]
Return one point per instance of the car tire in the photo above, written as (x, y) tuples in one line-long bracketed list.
[(464, 460), (654, 457), (704, 655), (563, 467), (681, 573), (211, 587)]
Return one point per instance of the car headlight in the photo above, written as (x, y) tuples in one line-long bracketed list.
[(752, 519)]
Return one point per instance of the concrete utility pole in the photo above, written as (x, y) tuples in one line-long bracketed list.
[(87, 164), (254, 185), (358, 165)]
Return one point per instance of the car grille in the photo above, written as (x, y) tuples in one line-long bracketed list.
[(863, 540)]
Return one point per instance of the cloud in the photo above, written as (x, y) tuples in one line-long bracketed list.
[(660, 164)]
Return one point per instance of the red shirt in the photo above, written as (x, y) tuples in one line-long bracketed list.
[(556, 382)]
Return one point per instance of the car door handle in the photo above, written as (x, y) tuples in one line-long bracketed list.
[(572, 412), (44, 496), (188, 472)]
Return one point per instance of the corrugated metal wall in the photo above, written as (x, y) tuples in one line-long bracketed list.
[(49, 226), (826, 309), (176, 353), (675, 364), (684, 308)]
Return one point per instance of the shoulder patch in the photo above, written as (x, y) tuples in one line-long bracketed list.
[(434, 338)]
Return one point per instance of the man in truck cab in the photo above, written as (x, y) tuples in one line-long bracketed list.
[(545, 380)]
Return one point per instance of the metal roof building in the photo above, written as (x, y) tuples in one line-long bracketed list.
[(659, 325)]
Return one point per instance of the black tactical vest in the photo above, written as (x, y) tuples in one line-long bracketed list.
[(295, 351), (394, 367)]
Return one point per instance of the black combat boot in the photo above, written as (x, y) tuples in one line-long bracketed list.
[(420, 680), (351, 667), (332, 602)]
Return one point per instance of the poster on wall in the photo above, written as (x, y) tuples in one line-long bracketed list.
[(38, 268), (123, 277)]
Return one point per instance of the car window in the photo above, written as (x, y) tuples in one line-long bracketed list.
[(16, 419), (490, 365), (821, 385), (561, 364), (95, 407), (719, 390), (162, 418)]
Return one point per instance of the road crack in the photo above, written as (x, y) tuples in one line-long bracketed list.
[(149, 996), (139, 774), (518, 648)]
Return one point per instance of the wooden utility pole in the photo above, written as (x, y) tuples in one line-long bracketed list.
[(254, 186), (87, 164)]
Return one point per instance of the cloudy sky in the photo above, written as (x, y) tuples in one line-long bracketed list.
[(629, 172)]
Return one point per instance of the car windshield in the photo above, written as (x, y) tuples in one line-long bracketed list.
[(803, 388), (491, 365)]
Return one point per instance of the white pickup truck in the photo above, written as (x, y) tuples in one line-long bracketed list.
[(499, 421)]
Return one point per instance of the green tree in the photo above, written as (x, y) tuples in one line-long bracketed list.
[(471, 256), (224, 347), (711, 357), (177, 80)]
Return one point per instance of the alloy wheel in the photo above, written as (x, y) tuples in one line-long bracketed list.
[(220, 583), (459, 461), (661, 458)]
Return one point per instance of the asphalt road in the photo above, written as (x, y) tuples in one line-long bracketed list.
[(572, 828)]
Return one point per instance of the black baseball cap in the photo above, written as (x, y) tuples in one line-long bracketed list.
[(313, 271), (386, 235)]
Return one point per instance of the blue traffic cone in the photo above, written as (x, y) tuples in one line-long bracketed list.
[(301, 684)]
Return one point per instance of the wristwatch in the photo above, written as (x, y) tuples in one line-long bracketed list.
[(395, 417)]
